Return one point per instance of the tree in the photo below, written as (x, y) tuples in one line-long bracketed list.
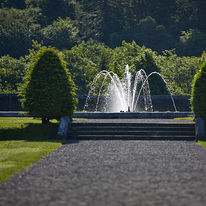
[(186, 13), (52, 9), (178, 71), (18, 4), (146, 62), (198, 96), (17, 29), (62, 34), (12, 72), (192, 43), (89, 19), (49, 92), (85, 61)]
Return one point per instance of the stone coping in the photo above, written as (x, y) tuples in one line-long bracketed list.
[(113, 115), (131, 115)]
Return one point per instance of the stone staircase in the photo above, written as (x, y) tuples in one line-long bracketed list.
[(140, 129)]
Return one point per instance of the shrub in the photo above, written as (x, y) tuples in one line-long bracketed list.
[(49, 92), (11, 74), (198, 97), (146, 62)]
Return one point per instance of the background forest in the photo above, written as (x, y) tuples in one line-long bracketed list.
[(104, 34)]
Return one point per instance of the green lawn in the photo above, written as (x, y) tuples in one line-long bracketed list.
[(185, 118), (192, 118), (22, 142), (202, 143)]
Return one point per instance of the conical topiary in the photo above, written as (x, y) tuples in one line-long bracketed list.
[(49, 92), (198, 96)]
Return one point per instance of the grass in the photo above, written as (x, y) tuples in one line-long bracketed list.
[(202, 143), (22, 142), (185, 118)]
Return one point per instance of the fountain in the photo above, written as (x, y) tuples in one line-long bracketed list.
[(109, 93)]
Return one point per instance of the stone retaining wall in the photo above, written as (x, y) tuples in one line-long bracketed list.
[(10, 102)]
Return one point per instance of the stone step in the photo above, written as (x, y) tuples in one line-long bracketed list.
[(133, 137), (133, 122), (125, 124), (128, 132), (131, 128)]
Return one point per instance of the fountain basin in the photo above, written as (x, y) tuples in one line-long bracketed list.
[(132, 115)]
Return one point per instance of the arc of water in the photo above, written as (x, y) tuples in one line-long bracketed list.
[(100, 91), (165, 84), (92, 87), (115, 80), (124, 93), (115, 83), (141, 76), (135, 88), (146, 93)]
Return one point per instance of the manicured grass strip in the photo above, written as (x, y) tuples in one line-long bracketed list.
[(185, 118), (17, 155), (22, 142), (202, 143)]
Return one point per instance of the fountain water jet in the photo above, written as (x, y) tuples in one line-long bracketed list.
[(122, 95), (146, 80)]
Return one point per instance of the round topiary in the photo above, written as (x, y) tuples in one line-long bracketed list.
[(198, 96), (49, 92)]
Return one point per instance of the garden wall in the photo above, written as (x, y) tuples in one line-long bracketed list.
[(10, 102)]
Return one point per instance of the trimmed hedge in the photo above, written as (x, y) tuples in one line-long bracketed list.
[(49, 92), (198, 97)]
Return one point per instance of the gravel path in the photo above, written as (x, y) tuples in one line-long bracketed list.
[(113, 173)]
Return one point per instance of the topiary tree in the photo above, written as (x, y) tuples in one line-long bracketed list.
[(146, 62), (49, 92), (198, 97)]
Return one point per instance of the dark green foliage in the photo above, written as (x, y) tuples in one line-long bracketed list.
[(178, 71), (191, 43), (12, 72), (155, 24), (49, 92), (85, 61), (17, 29), (157, 85), (198, 96), (62, 34), (52, 9), (18, 4)]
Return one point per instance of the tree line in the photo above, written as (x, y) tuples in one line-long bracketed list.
[(160, 25), (166, 36), (86, 59)]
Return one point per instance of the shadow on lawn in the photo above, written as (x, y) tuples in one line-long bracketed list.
[(31, 132)]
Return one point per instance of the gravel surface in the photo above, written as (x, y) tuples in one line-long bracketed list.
[(113, 173)]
